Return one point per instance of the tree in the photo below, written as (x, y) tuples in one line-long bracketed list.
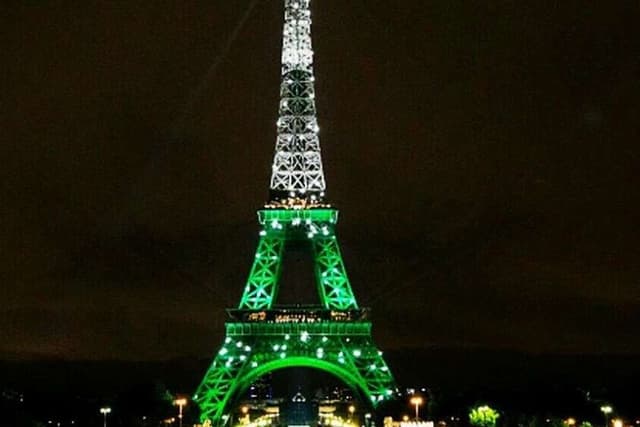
[(483, 416)]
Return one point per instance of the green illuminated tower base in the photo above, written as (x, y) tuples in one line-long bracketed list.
[(334, 336)]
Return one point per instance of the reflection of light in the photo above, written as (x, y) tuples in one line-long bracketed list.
[(335, 421), (417, 401), (263, 421), (416, 424)]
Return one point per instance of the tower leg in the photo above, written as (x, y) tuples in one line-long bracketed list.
[(261, 288), (333, 283)]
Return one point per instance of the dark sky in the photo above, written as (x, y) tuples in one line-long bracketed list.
[(484, 155)]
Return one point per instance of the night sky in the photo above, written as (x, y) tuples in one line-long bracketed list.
[(483, 154)]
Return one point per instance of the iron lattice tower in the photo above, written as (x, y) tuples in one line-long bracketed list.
[(261, 337)]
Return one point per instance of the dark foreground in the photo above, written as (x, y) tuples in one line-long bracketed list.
[(528, 390)]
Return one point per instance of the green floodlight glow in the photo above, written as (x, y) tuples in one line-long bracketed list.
[(229, 375), (338, 340), (483, 416), (282, 225)]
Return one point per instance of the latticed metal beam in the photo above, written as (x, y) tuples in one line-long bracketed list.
[(297, 164), (282, 225), (333, 283), (335, 336), (260, 291), (252, 350)]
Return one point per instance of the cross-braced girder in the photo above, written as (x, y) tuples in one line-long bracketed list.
[(260, 291), (335, 336), (297, 164), (251, 350), (317, 227)]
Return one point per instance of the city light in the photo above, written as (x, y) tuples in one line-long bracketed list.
[(416, 401), (104, 411), (335, 421), (606, 410), (180, 402)]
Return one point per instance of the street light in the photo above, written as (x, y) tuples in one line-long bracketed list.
[(180, 403), (104, 411), (606, 410), (245, 415), (352, 409), (417, 401), (617, 422)]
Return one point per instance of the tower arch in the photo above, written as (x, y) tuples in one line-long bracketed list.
[(244, 381)]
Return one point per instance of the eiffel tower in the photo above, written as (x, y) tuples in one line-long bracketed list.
[(261, 336)]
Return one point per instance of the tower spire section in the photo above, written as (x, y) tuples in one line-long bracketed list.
[(297, 177)]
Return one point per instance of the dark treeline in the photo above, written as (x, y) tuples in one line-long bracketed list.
[(528, 390)]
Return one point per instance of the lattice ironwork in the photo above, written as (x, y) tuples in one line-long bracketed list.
[(297, 165), (334, 336), (333, 283), (251, 350), (261, 285), (315, 225)]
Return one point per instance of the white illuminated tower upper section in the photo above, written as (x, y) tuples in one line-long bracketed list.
[(297, 177)]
